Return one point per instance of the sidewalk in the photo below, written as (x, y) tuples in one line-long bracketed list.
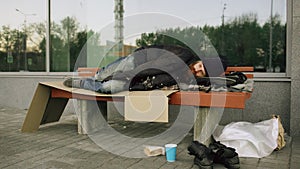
[(59, 146)]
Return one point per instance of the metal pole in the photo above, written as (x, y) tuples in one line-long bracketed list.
[(25, 44), (223, 25), (271, 37), (119, 10), (25, 36), (48, 38)]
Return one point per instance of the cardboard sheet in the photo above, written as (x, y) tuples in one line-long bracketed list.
[(146, 106), (60, 85)]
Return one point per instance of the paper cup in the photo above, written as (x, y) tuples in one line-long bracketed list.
[(171, 152)]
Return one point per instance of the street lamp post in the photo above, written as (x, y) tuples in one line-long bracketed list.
[(223, 29), (25, 36)]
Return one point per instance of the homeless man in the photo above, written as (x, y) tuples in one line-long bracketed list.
[(149, 68)]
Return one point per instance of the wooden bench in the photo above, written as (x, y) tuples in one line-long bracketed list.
[(49, 102), (179, 98)]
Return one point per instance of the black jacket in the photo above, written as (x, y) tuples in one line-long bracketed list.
[(158, 66)]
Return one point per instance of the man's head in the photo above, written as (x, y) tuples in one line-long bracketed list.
[(212, 67), (198, 69)]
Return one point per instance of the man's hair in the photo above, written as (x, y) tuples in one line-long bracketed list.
[(214, 66)]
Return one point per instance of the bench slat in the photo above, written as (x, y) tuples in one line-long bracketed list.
[(240, 69), (247, 70), (86, 71), (234, 100)]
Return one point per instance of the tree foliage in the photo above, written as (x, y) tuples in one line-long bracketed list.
[(66, 38), (243, 40)]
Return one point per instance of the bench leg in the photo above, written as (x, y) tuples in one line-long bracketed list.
[(90, 115), (36, 109), (206, 120)]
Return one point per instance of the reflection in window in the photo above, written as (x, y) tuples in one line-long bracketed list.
[(22, 30), (67, 34), (83, 32), (247, 33)]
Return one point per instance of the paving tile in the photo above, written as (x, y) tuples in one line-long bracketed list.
[(295, 165), (58, 145), (249, 161)]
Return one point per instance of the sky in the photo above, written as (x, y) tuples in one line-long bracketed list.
[(98, 14), (198, 12)]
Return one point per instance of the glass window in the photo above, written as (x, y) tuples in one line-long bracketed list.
[(245, 33), (22, 30), (93, 33), (251, 33), (68, 33)]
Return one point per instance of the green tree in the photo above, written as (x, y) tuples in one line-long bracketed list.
[(242, 40), (12, 42)]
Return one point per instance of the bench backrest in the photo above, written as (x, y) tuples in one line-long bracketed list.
[(247, 70), (87, 71)]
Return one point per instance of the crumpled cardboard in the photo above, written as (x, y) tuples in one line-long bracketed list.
[(154, 150)]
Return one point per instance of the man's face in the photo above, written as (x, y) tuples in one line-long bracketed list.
[(198, 69)]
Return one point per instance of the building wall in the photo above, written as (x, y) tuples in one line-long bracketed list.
[(268, 98), (295, 68), (17, 91)]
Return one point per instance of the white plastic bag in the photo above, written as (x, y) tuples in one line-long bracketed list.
[(249, 139)]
